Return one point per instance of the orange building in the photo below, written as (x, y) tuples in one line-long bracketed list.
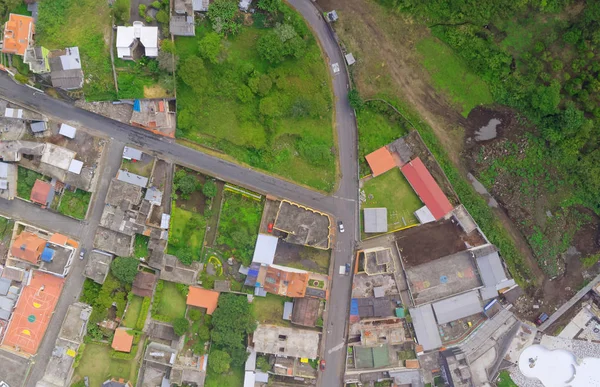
[(18, 34), (286, 281), (28, 247), (122, 341), (203, 298)]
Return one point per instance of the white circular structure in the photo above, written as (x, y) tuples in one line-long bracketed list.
[(559, 368)]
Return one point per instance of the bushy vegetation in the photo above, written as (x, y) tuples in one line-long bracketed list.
[(67, 23), (238, 225), (124, 269), (101, 298), (140, 246), (75, 203), (261, 95), (25, 181)]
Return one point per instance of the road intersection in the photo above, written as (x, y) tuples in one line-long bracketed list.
[(343, 205)]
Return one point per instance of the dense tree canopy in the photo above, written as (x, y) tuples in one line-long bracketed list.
[(232, 321), (124, 268)]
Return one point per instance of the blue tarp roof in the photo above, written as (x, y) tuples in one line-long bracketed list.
[(137, 106), (47, 254), (252, 274), (354, 307)]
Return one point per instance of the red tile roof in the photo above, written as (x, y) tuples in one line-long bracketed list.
[(40, 191), (18, 32), (28, 247), (428, 190), (203, 298), (380, 161), (122, 341)]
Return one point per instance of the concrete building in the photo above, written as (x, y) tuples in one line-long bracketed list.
[(375, 220), (287, 342)]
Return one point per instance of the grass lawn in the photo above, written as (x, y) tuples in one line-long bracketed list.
[(186, 231), (172, 302), (269, 309), (234, 378), (26, 180), (97, 365), (238, 225), (86, 24), (392, 190), (75, 204), (140, 246), (504, 380), (319, 260), (377, 126), (137, 167), (452, 76), (296, 142), (133, 312)]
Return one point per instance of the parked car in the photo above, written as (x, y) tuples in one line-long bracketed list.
[(347, 269), (270, 227), (341, 226), (82, 254), (540, 320), (322, 365)]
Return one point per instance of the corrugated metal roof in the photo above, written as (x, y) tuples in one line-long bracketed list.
[(67, 130), (375, 220), (165, 221), (132, 153), (425, 327), (251, 361), (76, 166), (424, 215), (427, 188), (264, 250), (3, 170), (38, 126), (490, 269), (288, 308), (457, 307), (132, 178)]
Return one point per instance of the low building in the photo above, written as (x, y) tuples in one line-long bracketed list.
[(264, 250), (42, 193), (18, 34), (286, 281), (305, 311), (67, 131), (426, 327), (122, 341), (132, 154), (288, 342), (132, 178), (65, 66), (203, 298), (136, 41), (37, 59), (182, 25), (28, 247), (380, 161), (143, 284), (375, 220)]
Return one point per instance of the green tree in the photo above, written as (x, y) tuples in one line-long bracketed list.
[(209, 189), (270, 107), (203, 333), (121, 11), (219, 361), (270, 6), (124, 268), (186, 184), (271, 48), (244, 94), (232, 321), (167, 45), (155, 5), (193, 73), (162, 17), (194, 314), (263, 364), (142, 10), (210, 47), (180, 326)]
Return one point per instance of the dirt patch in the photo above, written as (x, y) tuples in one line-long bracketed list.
[(587, 238), (302, 257), (155, 91), (426, 243), (196, 200), (481, 117)]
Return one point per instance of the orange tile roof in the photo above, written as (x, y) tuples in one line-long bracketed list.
[(122, 341), (28, 247), (59, 239), (203, 298), (40, 191), (18, 34), (279, 280), (380, 161), (33, 312)]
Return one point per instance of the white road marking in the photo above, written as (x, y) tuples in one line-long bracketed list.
[(336, 348)]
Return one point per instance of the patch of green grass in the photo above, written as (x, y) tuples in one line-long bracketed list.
[(75, 204), (590, 261), (140, 246), (452, 76), (131, 84), (504, 380), (138, 167), (233, 378), (25, 180), (301, 89), (392, 191), (133, 312), (377, 126), (6, 227), (238, 225), (269, 309), (97, 365), (86, 24), (172, 303), (186, 231)]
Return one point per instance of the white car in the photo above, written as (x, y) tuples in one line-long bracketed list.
[(341, 226)]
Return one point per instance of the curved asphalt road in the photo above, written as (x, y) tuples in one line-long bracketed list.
[(342, 205)]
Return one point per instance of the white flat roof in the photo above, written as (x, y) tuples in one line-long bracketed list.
[(424, 215), (264, 250), (67, 130), (76, 166)]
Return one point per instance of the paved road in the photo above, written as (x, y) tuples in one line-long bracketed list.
[(34, 215), (345, 207)]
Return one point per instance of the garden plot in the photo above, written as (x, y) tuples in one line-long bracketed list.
[(169, 301)]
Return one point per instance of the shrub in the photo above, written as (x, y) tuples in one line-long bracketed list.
[(263, 364), (124, 268), (180, 326), (209, 189), (219, 361), (141, 321), (210, 47), (208, 281), (155, 4), (142, 10), (121, 10), (194, 314), (162, 17)]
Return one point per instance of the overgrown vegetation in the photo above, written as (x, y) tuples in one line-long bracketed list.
[(108, 302), (125, 269), (238, 225), (140, 246), (169, 302), (260, 94), (68, 23), (75, 203), (25, 181)]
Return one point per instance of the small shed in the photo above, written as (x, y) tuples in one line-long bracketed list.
[(424, 215), (264, 250), (380, 161), (375, 220), (288, 307), (38, 126), (332, 16), (132, 154), (76, 166), (164, 221), (350, 59), (67, 131)]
